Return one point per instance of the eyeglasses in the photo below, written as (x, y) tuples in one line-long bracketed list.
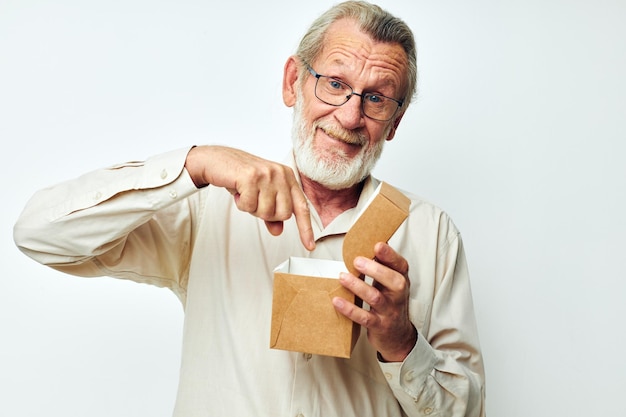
[(337, 93)]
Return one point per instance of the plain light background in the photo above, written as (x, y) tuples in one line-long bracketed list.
[(518, 132)]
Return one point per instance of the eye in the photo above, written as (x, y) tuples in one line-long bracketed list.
[(334, 84), (375, 99)]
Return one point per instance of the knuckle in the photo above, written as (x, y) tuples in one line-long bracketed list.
[(404, 268), (265, 214), (258, 172), (403, 283), (375, 299), (366, 321), (303, 207), (284, 209), (400, 283), (245, 205), (282, 214)]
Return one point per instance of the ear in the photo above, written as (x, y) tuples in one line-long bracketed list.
[(290, 77), (396, 122)]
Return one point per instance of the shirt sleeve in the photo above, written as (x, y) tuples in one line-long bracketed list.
[(443, 374), (128, 221)]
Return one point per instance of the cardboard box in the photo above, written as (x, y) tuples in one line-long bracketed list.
[(303, 317)]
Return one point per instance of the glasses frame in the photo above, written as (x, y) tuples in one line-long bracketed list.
[(363, 96)]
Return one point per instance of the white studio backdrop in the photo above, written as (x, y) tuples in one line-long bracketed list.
[(518, 132)]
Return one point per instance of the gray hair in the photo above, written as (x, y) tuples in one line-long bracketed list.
[(381, 25)]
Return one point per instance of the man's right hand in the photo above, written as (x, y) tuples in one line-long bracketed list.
[(263, 188)]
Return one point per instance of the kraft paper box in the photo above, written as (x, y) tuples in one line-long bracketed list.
[(303, 316)]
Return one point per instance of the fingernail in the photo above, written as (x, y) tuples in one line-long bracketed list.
[(338, 302), (380, 247)]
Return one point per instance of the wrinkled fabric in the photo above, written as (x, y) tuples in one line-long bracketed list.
[(146, 221)]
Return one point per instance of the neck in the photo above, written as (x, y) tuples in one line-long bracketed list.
[(330, 203)]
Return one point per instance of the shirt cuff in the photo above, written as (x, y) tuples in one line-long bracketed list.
[(167, 177), (410, 375)]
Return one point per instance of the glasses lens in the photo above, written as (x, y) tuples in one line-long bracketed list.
[(336, 93), (379, 107), (332, 91)]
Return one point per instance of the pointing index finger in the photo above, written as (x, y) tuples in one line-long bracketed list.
[(303, 217)]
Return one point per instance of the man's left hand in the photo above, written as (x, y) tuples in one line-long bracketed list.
[(389, 329)]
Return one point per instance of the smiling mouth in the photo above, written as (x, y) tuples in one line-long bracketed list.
[(354, 141)]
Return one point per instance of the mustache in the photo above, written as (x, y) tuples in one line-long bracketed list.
[(348, 136)]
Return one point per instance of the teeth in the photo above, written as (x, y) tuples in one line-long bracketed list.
[(335, 136), (347, 140)]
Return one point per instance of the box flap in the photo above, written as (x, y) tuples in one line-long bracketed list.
[(380, 219)]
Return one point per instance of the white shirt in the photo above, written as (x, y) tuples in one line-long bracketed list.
[(147, 222)]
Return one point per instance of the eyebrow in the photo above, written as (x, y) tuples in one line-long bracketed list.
[(384, 83)]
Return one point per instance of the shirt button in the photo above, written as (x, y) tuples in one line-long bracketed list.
[(97, 196), (409, 376), (163, 174), (173, 194), (387, 375), (307, 356), (428, 410)]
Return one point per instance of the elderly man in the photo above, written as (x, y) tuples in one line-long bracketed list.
[(211, 223)]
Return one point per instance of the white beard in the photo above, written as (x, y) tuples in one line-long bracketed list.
[(334, 169)]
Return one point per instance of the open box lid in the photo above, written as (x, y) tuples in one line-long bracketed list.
[(385, 211), (303, 316)]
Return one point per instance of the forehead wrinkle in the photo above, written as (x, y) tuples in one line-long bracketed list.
[(362, 63), (357, 56)]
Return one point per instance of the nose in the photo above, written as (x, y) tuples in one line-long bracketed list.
[(350, 114)]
